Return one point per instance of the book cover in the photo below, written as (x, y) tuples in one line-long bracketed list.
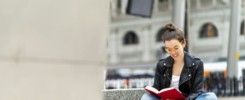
[(167, 93)]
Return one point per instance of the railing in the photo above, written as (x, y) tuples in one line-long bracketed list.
[(219, 85), (128, 83), (226, 86)]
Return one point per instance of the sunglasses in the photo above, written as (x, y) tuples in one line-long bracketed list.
[(167, 49)]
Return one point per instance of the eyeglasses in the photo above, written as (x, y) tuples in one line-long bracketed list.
[(176, 48)]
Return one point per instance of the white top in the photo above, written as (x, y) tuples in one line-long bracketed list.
[(175, 81)]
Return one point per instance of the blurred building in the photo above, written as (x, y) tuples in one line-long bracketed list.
[(135, 40)]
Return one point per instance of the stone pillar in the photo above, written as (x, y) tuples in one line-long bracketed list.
[(155, 6), (179, 13), (113, 7), (113, 48), (146, 44), (198, 4), (233, 47), (124, 4)]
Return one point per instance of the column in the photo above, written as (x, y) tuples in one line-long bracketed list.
[(179, 13), (124, 4), (155, 6), (233, 49), (113, 48), (146, 44), (113, 8)]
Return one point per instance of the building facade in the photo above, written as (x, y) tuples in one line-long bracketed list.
[(135, 40)]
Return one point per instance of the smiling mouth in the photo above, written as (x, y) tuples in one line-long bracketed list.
[(175, 55)]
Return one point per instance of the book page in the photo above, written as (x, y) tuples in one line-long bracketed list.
[(151, 89), (166, 89)]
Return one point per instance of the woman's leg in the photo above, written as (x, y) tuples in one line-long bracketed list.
[(149, 96), (207, 96)]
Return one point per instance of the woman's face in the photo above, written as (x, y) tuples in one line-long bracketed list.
[(175, 48)]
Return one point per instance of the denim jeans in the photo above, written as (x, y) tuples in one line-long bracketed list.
[(207, 96), (149, 96), (203, 96)]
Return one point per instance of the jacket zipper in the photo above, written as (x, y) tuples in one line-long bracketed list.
[(186, 79)]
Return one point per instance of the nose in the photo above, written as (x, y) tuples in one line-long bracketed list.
[(172, 52)]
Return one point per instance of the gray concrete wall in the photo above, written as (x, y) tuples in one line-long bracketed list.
[(123, 94), (52, 49)]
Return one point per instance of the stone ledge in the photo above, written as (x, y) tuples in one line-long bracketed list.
[(123, 94)]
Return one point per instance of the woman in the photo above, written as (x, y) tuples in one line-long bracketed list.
[(179, 70)]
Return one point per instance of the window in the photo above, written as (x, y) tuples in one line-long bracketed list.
[(159, 37), (130, 38), (242, 28), (208, 30), (163, 5)]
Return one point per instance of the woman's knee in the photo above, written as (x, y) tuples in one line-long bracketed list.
[(212, 96), (207, 96), (149, 96)]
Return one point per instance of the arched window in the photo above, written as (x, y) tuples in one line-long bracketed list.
[(159, 36), (242, 28), (208, 30), (130, 38)]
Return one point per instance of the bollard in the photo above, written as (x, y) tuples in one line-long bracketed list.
[(243, 82), (235, 81)]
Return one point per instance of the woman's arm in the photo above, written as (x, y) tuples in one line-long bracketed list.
[(198, 82), (157, 82)]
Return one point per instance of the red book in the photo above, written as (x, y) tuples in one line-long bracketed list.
[(167, 93)]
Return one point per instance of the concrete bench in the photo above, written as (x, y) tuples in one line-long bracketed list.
[(123, 94)]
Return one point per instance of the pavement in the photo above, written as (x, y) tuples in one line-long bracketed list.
[(135, 94), (232, 98)]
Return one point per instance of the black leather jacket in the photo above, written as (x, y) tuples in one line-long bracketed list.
[(191, 78)]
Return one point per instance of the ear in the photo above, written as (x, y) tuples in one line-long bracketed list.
[(183, 43)]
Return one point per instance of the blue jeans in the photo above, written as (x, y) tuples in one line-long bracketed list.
[(207, 96), (203, 96), (149, 96)]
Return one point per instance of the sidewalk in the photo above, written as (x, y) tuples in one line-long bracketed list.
[(136, 94), (232, 98)]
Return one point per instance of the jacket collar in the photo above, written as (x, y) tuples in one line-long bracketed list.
[(188, 60)]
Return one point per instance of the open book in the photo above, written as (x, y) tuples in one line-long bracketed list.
[(167, 93)]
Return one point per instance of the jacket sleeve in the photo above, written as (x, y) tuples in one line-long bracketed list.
[(197, 86), (157, 82)]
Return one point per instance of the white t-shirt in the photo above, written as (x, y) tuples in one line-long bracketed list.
[(175, 81)]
